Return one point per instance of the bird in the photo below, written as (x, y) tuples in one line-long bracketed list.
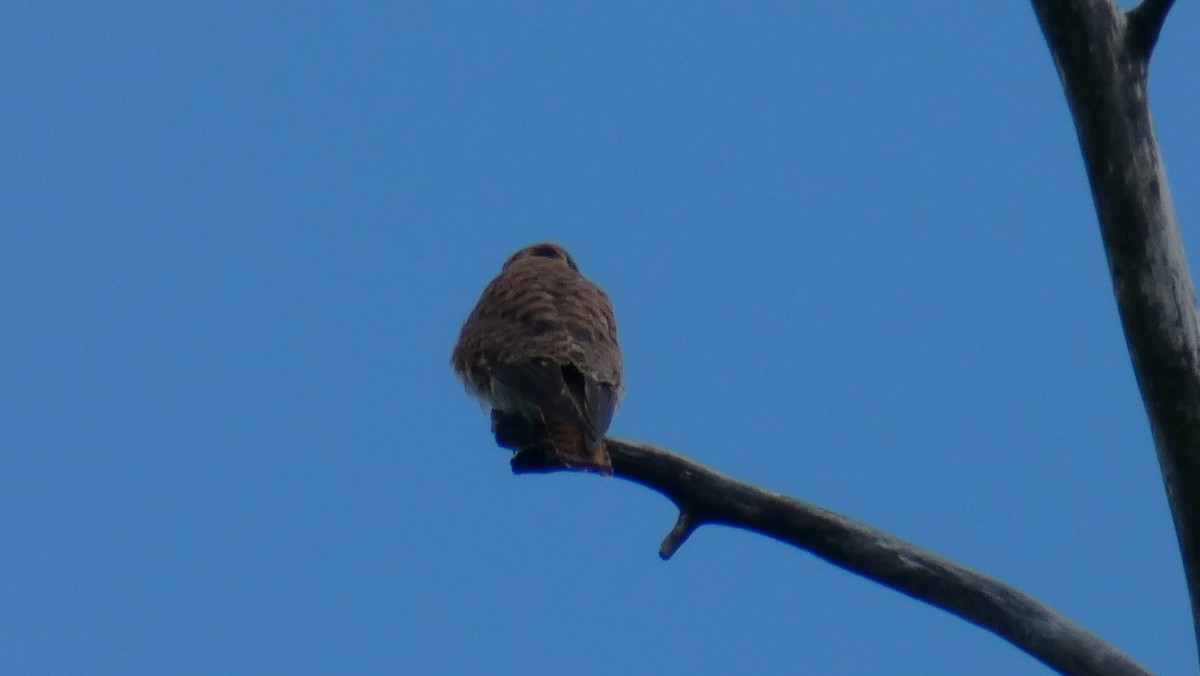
[(540, 349)]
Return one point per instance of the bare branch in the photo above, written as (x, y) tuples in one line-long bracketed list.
[(707, 496), (1102, 58), (1144, 23)]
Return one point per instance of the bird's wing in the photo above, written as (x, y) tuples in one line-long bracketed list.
[(560, 391), (601, 399)]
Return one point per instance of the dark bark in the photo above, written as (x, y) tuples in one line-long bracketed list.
[(1103, 57), (705, 496)]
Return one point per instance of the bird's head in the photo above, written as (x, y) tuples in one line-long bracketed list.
[(545, 251)]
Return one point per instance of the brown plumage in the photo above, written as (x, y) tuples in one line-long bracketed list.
[(540, 348)]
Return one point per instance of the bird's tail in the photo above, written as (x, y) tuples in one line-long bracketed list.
[(575, 448)]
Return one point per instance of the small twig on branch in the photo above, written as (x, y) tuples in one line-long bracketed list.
[(685, 525), (707, 496), (1145, 22)]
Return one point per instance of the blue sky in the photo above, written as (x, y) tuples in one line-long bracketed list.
[(853, 256)]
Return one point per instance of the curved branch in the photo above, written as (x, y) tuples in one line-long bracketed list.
[(1103, 58), (705, 496)]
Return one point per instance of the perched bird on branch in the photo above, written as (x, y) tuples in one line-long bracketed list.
[(540, 348)]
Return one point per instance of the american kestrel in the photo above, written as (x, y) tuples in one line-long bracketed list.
[(540, 348)]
